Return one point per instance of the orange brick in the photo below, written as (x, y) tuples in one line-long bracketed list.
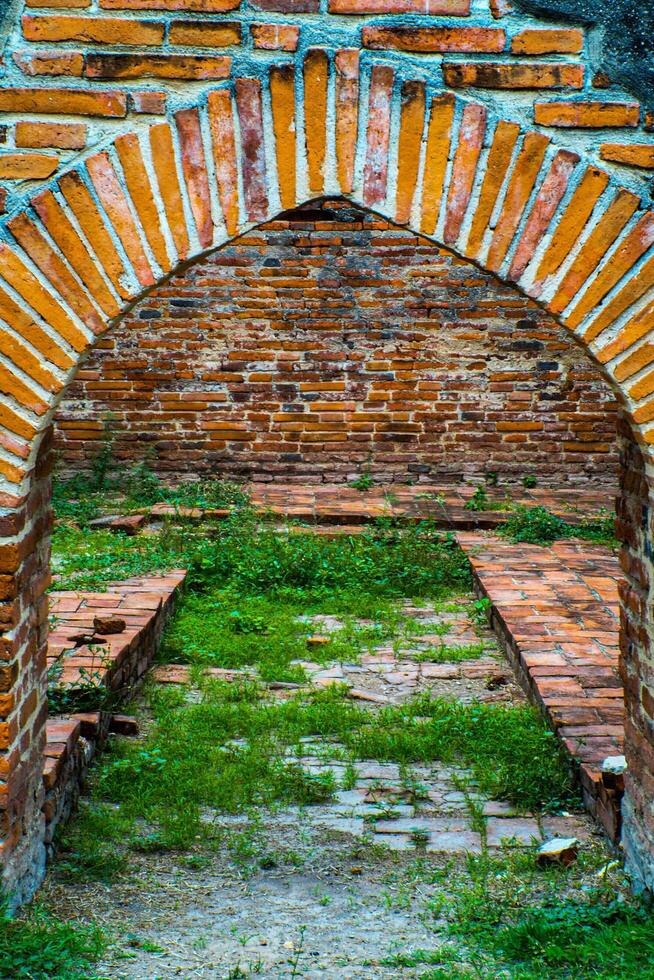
[(636, 243), (224, 154), (92, 30), (586, 115), (68, 4), (437, 152), (201, 6), (65, 136), (62, 231), (634, 289), (641, 358), (346, 64), (275, 37), (282, 96), (165, 168), (50, 63), (573, 222), (499, 158), (412, 120), (534, 42), (39, 298), (157, 66), (436, 39), (197, 33), (599, 241), (148, 102), (27, 166), (513, 76), (113, 200), (631, 154), (83, 207), (73, 101), (129, 153), (634, 330), (446, 8), (47, 260), (521, 184), (23, 324), (316, 74), (464, 168)]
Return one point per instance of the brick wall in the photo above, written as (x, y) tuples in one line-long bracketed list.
[(330, 340)]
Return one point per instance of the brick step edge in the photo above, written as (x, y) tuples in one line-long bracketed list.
[(72, 741)]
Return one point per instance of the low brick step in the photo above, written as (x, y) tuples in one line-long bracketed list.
[(556, 611)]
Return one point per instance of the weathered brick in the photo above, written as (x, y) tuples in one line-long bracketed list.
[(148, 102), (201, 6), (33, 63), (250, 113), (586, 115), (157, 66), (346, 66), (73, 101), (375, 172), (547, 201), (428, 39), (631, 154), (27, 166), (447, 8), (464, 168), (65, 136), (513, 76), (197, 33), (194, 166), (316, 73), (275, 37), (536, 41), (92, 30), (221, 121)]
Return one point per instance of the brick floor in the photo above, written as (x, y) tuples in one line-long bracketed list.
[(556, 610)]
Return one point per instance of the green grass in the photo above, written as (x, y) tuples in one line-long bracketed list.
[(37, 947), (537, 525)]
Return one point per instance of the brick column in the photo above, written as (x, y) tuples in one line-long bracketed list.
[(635, 527), (24, 577)]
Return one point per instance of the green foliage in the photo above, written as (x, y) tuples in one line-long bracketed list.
[(529, 924), (384, 560), (537, 525), (39, 948), (364, 481), (530, 481), (88, 693), (480, 501)]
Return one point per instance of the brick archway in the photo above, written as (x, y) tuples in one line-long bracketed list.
[(83, 251)]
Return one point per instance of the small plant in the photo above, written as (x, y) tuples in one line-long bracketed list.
[(537, 525), (479, 501), (364, 481), (38, 947), (529, 482)]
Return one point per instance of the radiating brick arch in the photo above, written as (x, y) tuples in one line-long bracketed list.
[(83, 251)]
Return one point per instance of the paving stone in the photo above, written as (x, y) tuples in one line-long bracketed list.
[(455, 842), (521, 830)]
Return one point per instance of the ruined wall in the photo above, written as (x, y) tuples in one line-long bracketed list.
[(330, 341)]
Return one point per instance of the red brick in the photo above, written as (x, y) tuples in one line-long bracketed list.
[(464, 168), (32, 63), (194, 166), (275, 37), (447, 8), (375, 172), (250, 112)]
